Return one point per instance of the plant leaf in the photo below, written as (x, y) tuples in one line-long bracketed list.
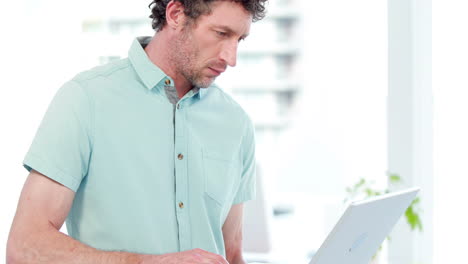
[(394, 178), (413, 219)]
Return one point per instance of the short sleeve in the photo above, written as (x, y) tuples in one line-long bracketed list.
[(247, 186), (61, 148)]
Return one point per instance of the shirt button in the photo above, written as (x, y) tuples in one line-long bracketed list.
[(167, 81), (180, 156), (181, 205), (178, 106)]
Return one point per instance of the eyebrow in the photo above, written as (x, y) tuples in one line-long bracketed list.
[(229, 30)]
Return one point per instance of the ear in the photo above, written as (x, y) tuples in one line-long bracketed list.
[(175, 16)]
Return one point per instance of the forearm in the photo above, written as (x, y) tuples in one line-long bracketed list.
[(51, 246)]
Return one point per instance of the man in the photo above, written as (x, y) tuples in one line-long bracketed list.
[(145, 158)]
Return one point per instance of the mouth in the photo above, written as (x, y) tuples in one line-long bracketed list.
[(215, 71)]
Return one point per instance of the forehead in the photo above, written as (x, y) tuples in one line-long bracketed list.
[(228, 14)]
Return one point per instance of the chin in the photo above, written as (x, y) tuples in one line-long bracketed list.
[(205, 83)]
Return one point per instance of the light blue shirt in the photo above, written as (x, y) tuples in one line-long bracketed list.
[(150, 177)]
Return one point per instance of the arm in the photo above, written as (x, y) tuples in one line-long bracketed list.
[(35, 237), (232, 232)]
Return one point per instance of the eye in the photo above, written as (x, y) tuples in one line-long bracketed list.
[(221, 33)]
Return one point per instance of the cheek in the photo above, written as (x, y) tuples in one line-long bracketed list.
[(205, 56), (209, 47)]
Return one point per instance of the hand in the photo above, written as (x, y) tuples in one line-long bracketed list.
[(194, 256)]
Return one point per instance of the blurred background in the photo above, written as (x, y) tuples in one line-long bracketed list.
[(340, 92)]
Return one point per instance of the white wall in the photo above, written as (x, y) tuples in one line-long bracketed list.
[(450, 80), (338, 133)]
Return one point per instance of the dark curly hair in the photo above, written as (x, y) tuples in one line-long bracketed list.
[(196, 8)]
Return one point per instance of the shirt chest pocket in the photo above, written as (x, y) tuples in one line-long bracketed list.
[(219, 176)]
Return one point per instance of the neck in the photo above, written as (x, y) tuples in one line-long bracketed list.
[(159, 52)]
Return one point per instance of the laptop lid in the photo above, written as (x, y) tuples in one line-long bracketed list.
[(362, 228)]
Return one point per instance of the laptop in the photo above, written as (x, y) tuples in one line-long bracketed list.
[(362, 228)]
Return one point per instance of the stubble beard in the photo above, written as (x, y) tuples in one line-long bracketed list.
[(184, 56)]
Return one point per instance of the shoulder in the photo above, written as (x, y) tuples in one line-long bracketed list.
[(218, 96), (87, 86), (102, 81), (107, 71)]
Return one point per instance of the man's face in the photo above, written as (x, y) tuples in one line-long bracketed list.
[(204, 48)]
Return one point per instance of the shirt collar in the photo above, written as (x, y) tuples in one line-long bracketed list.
[(150, 74)]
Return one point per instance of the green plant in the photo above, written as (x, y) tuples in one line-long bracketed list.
[(365, 189)]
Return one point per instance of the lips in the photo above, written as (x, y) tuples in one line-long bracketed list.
[(217, 71)]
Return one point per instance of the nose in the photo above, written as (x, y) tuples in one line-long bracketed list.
[(229, 53)]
